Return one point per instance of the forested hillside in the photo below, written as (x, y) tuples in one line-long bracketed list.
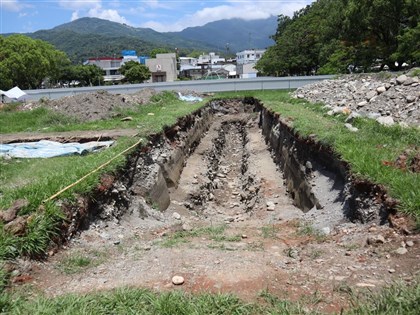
[(338, 36)]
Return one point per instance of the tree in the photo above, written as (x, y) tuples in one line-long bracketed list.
[(87, 75), (25, 62), (330, 35), (135, 72), (156, 51)]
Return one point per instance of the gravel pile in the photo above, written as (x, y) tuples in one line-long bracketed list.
[(386, 97)]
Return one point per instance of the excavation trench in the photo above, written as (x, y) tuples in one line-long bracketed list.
[(239, 184), (221, 161)]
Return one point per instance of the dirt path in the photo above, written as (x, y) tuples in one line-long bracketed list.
[(241, 234)]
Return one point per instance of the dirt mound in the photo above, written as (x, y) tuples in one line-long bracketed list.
[(95, 106)]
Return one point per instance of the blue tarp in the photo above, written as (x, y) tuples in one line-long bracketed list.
[(47, 149)]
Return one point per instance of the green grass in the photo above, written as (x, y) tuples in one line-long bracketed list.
[(140, 301), (214, 233), (78, 262), (165, 106), (269, 231), (307, 229), (37, 179), (397, 299)]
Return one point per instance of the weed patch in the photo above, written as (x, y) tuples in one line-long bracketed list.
[(215, 234)]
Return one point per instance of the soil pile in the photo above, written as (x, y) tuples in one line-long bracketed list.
[(95, 106)]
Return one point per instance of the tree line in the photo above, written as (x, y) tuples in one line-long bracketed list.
[(30, 63), (341, 36)]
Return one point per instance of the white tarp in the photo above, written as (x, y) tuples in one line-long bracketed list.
[(189, 98), (47, 148), (14, 94)]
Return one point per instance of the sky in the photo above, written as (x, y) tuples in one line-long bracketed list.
[(24, 16)]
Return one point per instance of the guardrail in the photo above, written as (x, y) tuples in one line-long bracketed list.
[(261, 83)]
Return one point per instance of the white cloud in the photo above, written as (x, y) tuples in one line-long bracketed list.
[(13, 5), (248, 10), (75, 15), (106, 14)]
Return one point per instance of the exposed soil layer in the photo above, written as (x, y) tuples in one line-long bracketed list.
[(235, 208)]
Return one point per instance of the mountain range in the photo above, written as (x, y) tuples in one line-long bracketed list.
[(93, 37)]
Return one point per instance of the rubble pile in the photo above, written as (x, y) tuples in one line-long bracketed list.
[(386, 97)]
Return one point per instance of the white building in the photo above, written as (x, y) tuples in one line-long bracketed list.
[(211, 58), (249, 56), (110, 67)]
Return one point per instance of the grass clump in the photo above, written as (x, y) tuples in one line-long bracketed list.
[(269, 231), (399, 298), (214, 233), (78, 262), (307, 229)]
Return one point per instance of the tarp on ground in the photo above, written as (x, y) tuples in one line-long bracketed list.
[(189, 98), (14, 93), (48, 149)]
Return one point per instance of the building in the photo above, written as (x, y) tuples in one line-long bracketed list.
[(206, 66), (245, 62), (163, 67), (110, 67), (249, 56)]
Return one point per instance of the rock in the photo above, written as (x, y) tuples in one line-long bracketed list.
[(270, 206), (350, 127), (362, 104), (326, 230), (352, 116), (365, 285), (176, 216), (178, 280), (308, 165), (410, 98), (409, 81), (373, 115), (386, 121), (381, 89), (401, 251), (151, 114), (11, 213), (409, 243), (370, 95), (300, 96), (391, 270), (377, 239), (186, 227), (128, 118), (17, 226), (401, 79)]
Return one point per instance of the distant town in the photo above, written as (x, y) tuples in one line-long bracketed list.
[(167, 67)]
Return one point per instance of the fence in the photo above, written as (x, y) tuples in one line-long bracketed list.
[(262, 83)]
